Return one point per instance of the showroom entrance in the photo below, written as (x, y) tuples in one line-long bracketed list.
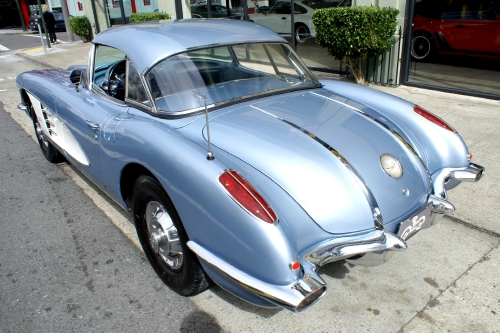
[(454, 46)]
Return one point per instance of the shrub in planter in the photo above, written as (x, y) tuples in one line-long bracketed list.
[(355, 33), (143, 17), (80, 26)]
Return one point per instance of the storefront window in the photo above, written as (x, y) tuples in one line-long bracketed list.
[(114, 10), (456, 45)]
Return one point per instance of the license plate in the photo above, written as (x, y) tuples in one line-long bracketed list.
[(411, 226)]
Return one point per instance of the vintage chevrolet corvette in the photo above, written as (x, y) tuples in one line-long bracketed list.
[(238, 165)]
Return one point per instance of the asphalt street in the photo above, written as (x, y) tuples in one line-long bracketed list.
[(26, 40), (63, 265)]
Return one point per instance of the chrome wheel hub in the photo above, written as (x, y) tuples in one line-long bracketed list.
[(301, 34), (40, 135), (163, 235)]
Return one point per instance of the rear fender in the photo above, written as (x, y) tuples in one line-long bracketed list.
[(211, 218), (438, 148)]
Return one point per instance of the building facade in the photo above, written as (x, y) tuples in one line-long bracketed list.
[(450, 45)]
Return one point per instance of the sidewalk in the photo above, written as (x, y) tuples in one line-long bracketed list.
[(14, 31), (471, 300)]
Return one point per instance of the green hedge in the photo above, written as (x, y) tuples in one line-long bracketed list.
[(80, 26), (143, 17), (355, 33)]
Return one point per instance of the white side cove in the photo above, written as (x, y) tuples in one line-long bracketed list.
[(53, 128)]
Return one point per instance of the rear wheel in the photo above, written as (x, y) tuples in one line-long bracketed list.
[(301, 32), (163, 239), (422, 47)]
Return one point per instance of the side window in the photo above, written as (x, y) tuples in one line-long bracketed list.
[(109, 72), (276, 8), (135, 88), (299, 9), (286, 8)]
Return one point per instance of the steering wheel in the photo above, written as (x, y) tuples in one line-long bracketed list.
[(115, 80)]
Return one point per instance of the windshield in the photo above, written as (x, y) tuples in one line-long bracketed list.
[(225, 74)]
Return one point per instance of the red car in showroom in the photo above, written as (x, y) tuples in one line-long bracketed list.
[(451, 27)]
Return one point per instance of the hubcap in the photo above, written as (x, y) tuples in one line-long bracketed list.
[(301, 34), (421, 47), (163, 235), (40, 135)]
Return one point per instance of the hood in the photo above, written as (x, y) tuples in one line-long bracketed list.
[(290, 138)]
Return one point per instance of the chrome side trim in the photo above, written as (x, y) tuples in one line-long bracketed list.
[(295, 297), (346, 247), (370, 198)]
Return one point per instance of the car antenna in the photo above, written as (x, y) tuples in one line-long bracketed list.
[(210, 155)]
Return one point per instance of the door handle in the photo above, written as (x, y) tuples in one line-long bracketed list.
[(283, 18), (459, 26), (92, 125)]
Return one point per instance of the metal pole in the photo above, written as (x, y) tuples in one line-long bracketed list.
[(21, 15), (96, 23), (122, 12), (407, 36), (41, 38), (178, 10), (64, 7), (292, 23), (245, 10), (209, 8), (43, 22)]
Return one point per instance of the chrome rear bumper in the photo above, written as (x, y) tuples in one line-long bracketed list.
[(295, 297), (300, 294), (376, 242), (371, 248)]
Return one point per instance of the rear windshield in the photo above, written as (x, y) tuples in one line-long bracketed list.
[(225, 74)]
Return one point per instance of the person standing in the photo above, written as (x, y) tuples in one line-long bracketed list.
[(50, 24)]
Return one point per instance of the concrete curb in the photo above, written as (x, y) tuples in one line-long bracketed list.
[(36, 61)]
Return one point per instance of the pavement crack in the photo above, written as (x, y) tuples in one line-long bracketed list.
[(434, 300), (472, 226)]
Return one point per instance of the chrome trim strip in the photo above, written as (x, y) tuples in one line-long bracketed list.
[(90, 66), (289, 296), (350, 246), (208, 46), (370, 198), (392, 131)]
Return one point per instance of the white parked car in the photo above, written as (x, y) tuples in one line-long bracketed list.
[(278, 17)]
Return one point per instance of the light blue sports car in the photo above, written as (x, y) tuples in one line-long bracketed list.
[(238, 165)]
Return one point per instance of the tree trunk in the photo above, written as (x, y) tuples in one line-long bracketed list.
[(356, 66)]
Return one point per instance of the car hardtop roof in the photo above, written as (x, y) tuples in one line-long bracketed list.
[(149, 42)]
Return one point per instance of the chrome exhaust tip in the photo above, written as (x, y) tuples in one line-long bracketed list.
[(473, 173)]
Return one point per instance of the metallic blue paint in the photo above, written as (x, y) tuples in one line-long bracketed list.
[(279, 143)]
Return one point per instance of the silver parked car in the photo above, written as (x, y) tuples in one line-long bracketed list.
[(238, 165)]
